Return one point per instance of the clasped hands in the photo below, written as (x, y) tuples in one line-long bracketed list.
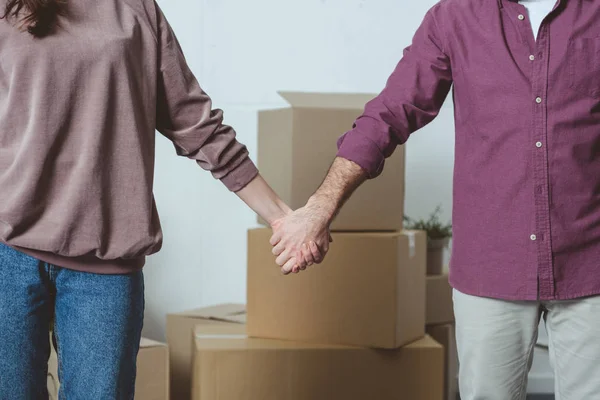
[(302, 237)]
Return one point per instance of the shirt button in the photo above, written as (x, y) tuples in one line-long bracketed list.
[(538, 144), (521, 17), (532, 57), (532, 237), (538, 100)]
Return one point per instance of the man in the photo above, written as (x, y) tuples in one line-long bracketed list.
[(526, 215)]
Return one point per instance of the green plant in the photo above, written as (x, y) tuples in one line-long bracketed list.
[(433, 226)]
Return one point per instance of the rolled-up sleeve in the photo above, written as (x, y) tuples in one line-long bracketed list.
[(185, 115), (412, 98)]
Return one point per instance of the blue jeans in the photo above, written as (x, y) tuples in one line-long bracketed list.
[(98, 323)]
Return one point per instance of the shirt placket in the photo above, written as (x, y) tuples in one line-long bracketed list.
[(541, 237)]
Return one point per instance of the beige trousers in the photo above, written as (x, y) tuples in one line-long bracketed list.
[(495, 341)]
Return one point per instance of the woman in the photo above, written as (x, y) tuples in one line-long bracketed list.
[(83, 86)]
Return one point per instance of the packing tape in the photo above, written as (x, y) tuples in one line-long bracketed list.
[(412, 247), (217, 336)]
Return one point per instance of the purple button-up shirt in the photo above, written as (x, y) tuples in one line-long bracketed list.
[(526, 212)]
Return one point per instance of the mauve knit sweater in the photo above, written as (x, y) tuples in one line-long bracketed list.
[(78, 114)]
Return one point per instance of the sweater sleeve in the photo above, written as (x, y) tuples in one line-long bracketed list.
[(184, 114)]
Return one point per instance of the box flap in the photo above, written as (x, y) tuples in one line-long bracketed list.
[(339, 101), (222, 312), (224, 329), (239, 318), (145, 343), (426, 342)]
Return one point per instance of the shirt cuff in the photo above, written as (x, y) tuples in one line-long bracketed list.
[(240, 176), (358, 148)]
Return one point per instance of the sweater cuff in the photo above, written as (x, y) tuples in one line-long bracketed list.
[(240, 176), (358, 148)]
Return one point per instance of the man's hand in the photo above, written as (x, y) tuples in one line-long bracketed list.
[(302, 237)]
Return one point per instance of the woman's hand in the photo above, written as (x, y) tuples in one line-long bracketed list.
[(301, 238)]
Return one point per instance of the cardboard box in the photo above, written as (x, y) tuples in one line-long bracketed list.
[(152, 381), (180, 334), (440, 307), (297, 145), (369, 291), (236, 367), (52, 381), (445, 335)]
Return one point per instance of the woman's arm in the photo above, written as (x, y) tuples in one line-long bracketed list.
[(261, 198)]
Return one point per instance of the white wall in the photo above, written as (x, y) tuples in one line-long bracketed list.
[(243, 52)]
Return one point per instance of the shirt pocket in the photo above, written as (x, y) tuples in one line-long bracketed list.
[(584, 65)]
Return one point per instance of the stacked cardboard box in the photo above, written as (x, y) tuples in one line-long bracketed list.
[(152, 381), (237, 367), (369, 291), (213, 358), (313, 336), (440, 325), (229, 318), (365, 292), (350, 328), (297, 144), (444, 334)]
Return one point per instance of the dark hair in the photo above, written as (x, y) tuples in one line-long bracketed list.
[(40, 15)]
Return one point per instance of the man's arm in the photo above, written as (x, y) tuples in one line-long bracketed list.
[(304, 235), (343, 178), (412, 98)]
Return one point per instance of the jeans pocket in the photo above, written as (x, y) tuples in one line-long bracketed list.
[(584, 65)]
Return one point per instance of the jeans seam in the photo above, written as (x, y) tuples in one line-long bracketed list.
[(59, 359)]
